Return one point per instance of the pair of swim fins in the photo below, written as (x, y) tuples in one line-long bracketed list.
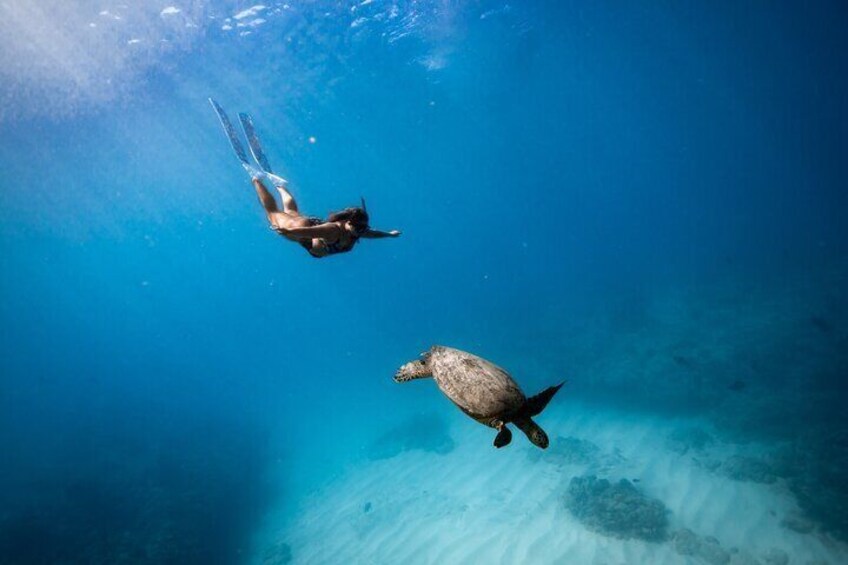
[(252, 141)]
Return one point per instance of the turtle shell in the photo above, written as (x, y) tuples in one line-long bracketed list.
[(481, 389)]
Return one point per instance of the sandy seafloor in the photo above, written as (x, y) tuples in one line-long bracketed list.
[(744, 482), (476, 504)]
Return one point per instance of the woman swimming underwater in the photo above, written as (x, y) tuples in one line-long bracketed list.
[(338, 234)]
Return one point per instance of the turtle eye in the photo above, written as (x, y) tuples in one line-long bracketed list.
[(421, 361)]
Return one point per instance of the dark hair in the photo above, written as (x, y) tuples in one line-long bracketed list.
[(358, 217)]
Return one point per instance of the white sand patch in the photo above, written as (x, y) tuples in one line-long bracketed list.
[(481, 505)]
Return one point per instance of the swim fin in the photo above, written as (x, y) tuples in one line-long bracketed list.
[(230, 131), (256, 149), (253, 142)]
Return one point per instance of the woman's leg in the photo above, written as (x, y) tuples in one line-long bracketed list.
[(265, 197), (289, 205), (288, 221), (288, 218)]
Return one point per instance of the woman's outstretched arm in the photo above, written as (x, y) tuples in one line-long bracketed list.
[(377, 234)]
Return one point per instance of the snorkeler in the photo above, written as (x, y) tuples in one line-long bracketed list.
[(341, 231), (338, 234)]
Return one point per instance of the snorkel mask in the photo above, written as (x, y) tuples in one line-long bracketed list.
[(360, 229)]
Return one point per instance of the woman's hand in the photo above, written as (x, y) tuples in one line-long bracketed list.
[(377, 234)]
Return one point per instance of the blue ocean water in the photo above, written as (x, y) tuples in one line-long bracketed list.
[(646, 200)]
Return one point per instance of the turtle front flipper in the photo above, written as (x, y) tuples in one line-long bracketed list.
[(418, 369), (504, 436)]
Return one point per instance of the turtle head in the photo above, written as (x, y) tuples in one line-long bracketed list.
[(418, 369), (538, 437), (533, 432)]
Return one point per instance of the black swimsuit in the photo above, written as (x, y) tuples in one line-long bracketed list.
[(330, 248), (334, 248)]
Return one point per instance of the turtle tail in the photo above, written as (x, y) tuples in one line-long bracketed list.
[(535, 404)]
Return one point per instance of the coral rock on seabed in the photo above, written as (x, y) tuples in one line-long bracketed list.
[(776, 557), (618, 510), (708, 549), (569, 451), (742, 468), (742, 557), (815, 468), (681, 441), (422, 432), (797, 523)]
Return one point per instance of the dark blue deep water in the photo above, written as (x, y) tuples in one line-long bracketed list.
[(646, 199)]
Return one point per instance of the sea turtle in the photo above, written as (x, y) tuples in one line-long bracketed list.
[(482, 390)]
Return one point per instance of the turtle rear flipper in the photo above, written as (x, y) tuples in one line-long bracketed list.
[(503, 438), (535, 404)]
